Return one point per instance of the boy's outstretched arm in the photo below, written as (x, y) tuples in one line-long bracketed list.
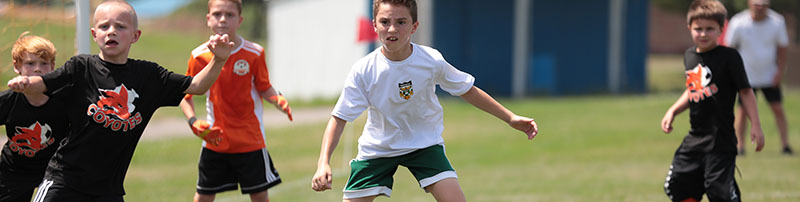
[(483, 101), (323, 178), (27, 84), (749, 105), (278, 100), (221, 46), (680, 105)]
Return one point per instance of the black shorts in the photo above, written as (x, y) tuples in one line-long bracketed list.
[(693, 174), (54, 192), (773, 94), (219, 172), (13, 189)]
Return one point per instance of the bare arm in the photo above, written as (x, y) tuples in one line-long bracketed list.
[(333, 132), (781, 64), (278, 100), (187, 106), (27, 84), (749, 105), (483, 101), (680, 105), (221, 46)]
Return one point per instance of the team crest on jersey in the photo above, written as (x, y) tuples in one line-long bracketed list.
[(698, 81), (241, 67), (405, 90), (114, 109), (27, 141)]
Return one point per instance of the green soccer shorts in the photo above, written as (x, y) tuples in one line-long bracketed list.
[(374, 176)]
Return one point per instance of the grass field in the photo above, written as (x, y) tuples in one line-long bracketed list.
[(589, 149)]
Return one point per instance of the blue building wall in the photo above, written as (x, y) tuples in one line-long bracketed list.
[(569, 44), (476, 37)]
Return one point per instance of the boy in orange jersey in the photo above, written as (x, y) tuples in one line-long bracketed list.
[(234, 151)]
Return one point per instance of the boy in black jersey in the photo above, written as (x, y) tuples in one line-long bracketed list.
[(35, 124), (109, 100), (704, 163)]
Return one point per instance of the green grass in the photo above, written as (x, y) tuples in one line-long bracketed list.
[(170, 50), (589, 149)]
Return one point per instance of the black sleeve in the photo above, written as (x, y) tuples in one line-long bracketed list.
[(5, 105), (59, 81), (737, 74), (172, 87)]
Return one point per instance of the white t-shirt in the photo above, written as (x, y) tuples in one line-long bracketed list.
[(758, 42), (404, 112)]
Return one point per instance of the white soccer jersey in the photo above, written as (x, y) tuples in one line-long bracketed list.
[(758, 42), (404, 112)]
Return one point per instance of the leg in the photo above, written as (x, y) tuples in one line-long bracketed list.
[(774, 97), (684, 181), (435, 174), (370, 178), (740, 125), (720, 181), (256, 173), (362, 199), (198, 197), (260, 196), (214, 175), (780, 119), (447, 190)]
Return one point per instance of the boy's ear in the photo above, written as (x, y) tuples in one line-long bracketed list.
[(16, 67), (136, 35), (416, 24)]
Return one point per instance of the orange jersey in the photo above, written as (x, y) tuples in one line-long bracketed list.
[(233, 102)]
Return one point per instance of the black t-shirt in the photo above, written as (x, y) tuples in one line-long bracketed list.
[(34, 134), (109, 106), (713, 78)]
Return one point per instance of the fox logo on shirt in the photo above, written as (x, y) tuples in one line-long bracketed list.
[(114, 108), (698, 81), (28, 141), (405, 90)]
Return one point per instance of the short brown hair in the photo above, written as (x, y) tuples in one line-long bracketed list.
[(410, 4), (707, 9), (36, 45), (237, 2)]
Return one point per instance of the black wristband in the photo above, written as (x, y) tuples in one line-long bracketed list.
[(192, 120)]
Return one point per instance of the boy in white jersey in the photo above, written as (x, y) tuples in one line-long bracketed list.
[(397, 83)]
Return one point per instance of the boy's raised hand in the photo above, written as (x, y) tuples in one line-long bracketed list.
[(526, 125), (322, 178), (220, 45)]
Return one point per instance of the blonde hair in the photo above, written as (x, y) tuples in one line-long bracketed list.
[(128, 8), (707, 9), (237, 2), (36, 45)]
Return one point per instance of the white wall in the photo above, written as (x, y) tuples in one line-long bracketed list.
[(312, 45)]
